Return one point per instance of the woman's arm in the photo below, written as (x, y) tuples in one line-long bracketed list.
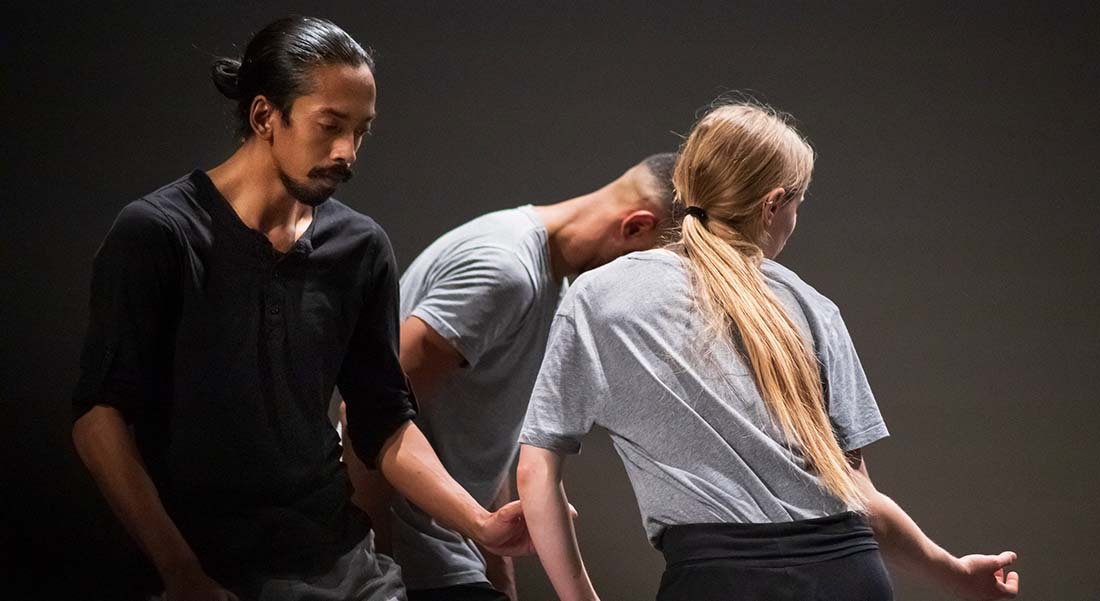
[(975, 577), (549, 522)]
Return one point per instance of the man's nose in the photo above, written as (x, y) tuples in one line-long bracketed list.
[(344, 149)]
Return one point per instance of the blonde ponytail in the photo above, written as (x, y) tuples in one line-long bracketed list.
[(731, 160)]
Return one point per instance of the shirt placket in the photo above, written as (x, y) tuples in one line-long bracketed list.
[(275, 305)]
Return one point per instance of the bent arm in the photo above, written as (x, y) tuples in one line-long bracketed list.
[(978, 577), (546, 508), (370, 491), (107, 448)]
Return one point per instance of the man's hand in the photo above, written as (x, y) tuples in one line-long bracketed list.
[(504, 532), (983, 577), (105, 445), (195, 585)]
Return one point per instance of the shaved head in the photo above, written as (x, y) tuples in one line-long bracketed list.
[(660, 167)]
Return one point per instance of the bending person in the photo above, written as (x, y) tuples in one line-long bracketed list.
[(225, 307), (476, 308), (733, 394)]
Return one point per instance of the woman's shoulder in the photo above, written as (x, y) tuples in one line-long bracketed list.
[(807, 296)]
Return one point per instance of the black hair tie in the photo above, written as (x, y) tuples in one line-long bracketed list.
[(696, 212)]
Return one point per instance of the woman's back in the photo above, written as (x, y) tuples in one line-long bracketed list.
[(632, 352), (703, 367)]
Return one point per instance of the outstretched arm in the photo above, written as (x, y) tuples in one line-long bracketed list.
[(107, 448), (412, 467), (428, 360), (548, 517), (974, 577)]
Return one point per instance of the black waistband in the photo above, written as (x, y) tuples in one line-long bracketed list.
[(769, 545)]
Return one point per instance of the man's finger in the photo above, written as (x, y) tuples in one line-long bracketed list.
[(1011, 585), (1005, 558), (572, 512), (511, 512)]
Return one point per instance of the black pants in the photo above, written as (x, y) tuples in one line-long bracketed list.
[(827, 559), (463, 592)]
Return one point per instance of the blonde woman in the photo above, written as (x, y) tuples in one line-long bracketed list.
[(733, 394)]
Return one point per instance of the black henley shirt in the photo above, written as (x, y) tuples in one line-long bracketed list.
[(223, 354)]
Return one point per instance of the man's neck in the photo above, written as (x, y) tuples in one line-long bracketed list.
[(250, 184), (571, 229)]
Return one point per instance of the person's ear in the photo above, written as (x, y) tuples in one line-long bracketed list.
[(261, 117), (770, 205), (638, 223)]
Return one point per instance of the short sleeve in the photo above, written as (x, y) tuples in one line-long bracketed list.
[(570, 388), (127, 352), (478, 299), (852, 408), (376, 392)]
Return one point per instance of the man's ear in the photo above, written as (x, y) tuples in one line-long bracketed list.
[(771, 203), (638, 222), (261, 117)]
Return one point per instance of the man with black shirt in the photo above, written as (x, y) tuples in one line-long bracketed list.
[(225, 307)]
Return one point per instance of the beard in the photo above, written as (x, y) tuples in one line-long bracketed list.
[(313, 193)]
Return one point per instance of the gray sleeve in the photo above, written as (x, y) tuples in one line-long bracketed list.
[(479, 299), (570, 387), (852, 408)]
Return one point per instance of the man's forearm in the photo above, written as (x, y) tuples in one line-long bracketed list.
[(370, 491), (107, 448), (410, 464)]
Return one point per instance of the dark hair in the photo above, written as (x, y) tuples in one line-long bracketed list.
[(277, 64), (661, 166)]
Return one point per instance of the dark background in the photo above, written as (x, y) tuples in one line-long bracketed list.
[(953, 218)]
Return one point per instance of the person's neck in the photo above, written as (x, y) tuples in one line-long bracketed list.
[(570, 226), (250, 184)]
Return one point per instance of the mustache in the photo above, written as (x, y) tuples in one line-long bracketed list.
[(338, 172)]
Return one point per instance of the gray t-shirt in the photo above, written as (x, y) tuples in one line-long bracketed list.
[(488, 289), (630, 351)]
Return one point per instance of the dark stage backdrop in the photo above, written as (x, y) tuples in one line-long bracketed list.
[(953, 218)]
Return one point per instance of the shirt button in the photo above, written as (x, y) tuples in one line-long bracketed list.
[(275, 309)]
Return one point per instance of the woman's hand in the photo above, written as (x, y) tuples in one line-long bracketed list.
[(983, 577)]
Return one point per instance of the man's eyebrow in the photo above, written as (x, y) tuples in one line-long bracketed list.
[(335, 113), (328, 110)]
